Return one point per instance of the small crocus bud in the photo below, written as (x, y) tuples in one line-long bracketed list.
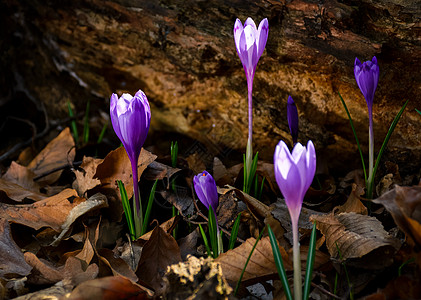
[(292, 116), (131, 117), (367, 77), (206, 191), (250, 42), (294, 173)]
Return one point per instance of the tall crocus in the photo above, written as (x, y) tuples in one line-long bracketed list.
[(131, 117), (367, 77), (294, 173), (250, 42), (292, 116)]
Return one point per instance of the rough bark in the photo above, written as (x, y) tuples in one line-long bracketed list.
[(182, 54)]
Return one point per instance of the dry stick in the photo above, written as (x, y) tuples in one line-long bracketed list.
[(207, 220), (325, 291)]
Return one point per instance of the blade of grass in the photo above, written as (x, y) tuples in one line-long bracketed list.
[(213, 232), (310, 262), (73, 123), (245, 174), (418, 111), (101, 135), (259, 196), (86, 123), (127, 209), (148, 209), (247, 261), (234, 232), (355, 135), (386, 140), (279, 264), (205, 240), (404, 264)]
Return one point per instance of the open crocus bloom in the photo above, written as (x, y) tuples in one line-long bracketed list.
[(206, 191), (367, 77), (250, 42), (294, 173)]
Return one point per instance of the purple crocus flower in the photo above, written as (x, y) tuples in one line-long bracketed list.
[(131, 117), (250, 42), (294, 173), (206, 191), (367, 77), (292, 116)]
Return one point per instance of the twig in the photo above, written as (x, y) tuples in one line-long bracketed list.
[(325, 291)]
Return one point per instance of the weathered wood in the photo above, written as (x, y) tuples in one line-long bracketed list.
[(182, 54)]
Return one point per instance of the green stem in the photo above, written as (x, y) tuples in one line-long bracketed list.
[(296, 261)]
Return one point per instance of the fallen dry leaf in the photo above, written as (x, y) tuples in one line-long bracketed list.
[(355, 235), (22, 176), (117, 265), (404, 204), (58, 153), (51, 212), (353, 203), (87, 252), (43, 272), (180, 200), (85, 179), (18, 193), (160, 251), (116, 166), (74, 272), (12, 261), (109, 288), (157, 170), (195, 162), (261, 264)]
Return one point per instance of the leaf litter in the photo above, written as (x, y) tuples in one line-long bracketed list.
[(75, 240)]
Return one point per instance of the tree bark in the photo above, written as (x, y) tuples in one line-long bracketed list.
[(182, 55)]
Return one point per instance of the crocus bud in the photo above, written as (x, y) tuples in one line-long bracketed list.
[(206, 191), (367, 77), (292, 116), (131, 117), (294, 173), (250, 42)]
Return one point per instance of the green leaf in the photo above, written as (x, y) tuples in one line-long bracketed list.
[(234, 232), (73, 123), (418, 111), (148, 209), (127, 209), (205, 240), (279, 264), (247, 262), (213, 232), (86, 123), (386, 140), (310, 262), (174, 154), (355, 135), (101, 135)]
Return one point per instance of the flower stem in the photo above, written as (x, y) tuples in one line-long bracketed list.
[(249, 149), (296, 261), (370, 157), (137, 204)]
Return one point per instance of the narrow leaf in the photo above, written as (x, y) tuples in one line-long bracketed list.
[(205, 240), (213, 232), (148, 209), (127, 209), (310, 262), (234, 232)]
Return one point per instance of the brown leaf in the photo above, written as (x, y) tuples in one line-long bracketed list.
[(116, 264), (261, 264), (108, 288), (51, 212), (85, 180), (158, 253), (17, 192), (195, 162), (74, 272), (12, 261), (43, 272), (87, 252), (404, 204), (353, 204), (116, 166), (355, 235), (157, 170), (22, 176), (59, 152)]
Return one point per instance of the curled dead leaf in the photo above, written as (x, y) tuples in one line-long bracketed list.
[(85, 179), (353, 203), (354, 235)]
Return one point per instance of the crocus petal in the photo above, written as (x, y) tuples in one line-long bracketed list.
[(250, 22), (113, 115), (206, 190), (367, 77), (310, 164), (262, 36), (199, 190), (238, 29)]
